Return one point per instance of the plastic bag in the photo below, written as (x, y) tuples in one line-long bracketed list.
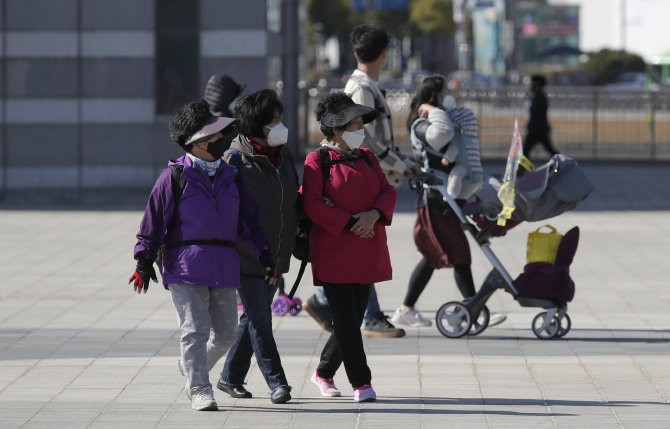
[(543, 246)]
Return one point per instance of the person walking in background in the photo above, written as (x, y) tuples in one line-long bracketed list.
[(221, 92), (348, 251), (440, 127), (267, 168), (194, 229), (539, 129), (370, 45)]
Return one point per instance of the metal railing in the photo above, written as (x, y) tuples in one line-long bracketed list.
[(588, 123)]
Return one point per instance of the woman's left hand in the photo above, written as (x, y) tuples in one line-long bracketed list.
[(270, 275), (365, 225), (424, 109)]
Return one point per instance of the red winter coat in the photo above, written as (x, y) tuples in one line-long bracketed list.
[(337, 255)]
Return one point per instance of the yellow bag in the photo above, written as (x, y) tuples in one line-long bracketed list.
[(543, 246)]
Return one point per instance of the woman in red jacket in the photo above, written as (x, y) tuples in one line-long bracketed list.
[(348, 238)]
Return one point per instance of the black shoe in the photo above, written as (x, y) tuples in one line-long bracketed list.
[(234, 390), (319, 312), (281, 394)]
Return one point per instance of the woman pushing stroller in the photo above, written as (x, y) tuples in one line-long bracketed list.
[(445, 138)]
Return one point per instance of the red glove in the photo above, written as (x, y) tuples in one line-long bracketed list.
[(143, 273)]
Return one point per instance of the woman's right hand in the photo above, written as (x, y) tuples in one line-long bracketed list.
[(144, 272), (365, 225)]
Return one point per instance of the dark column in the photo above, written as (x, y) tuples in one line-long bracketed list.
[(290, 72)]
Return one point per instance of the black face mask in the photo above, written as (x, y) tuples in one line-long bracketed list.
[(218, 147)]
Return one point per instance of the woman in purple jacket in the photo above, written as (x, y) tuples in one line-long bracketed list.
[(195, 212)]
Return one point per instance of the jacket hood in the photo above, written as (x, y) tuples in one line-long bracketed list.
[(182, 160)]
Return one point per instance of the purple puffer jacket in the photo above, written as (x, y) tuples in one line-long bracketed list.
[(207, 210)]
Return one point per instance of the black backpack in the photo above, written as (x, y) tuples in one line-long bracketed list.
[(301, 249)]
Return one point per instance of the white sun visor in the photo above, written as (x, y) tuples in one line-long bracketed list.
[(212, 127)]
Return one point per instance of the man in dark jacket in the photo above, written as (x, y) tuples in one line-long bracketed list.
[(268, 171), (538, 125)]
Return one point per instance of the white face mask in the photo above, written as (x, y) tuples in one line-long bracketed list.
[(449, 102), (354, 139), (278, 135)]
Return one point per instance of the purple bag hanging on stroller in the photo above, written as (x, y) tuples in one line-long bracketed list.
[(551, 281)]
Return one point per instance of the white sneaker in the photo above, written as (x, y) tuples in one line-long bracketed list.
[(325, 385), (496, 318), (365, 394), (203, 401), (410, 318)]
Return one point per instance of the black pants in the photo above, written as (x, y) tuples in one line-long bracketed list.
[(532, 138), (347, 303), (422, 274)]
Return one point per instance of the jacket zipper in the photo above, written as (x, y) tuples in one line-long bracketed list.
[(281, 214), (216, 201)]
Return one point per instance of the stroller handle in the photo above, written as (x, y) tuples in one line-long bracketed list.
[(468, 226), (423, 179)]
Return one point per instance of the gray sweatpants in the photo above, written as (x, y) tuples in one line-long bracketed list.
[(207, 319)]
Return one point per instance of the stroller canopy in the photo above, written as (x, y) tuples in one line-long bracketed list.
[(553, 188)]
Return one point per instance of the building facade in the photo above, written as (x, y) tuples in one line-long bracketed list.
[(89, 86)]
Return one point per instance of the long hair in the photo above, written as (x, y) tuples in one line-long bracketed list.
[(428, 92)]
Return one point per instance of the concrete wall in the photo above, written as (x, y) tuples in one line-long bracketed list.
[(78, 87)]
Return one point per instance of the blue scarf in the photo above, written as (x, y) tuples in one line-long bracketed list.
[(209, 167)]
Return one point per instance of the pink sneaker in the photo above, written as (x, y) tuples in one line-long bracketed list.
[(326, 386), (365, 393)]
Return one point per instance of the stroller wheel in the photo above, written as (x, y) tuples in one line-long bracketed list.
[(296, 306), (453, 319), (280, 306), (564, 326), (545, 329), (481, 322)]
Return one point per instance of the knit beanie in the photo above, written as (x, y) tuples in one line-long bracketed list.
[(220, 91)]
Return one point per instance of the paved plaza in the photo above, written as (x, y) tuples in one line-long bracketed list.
[(78, 349)]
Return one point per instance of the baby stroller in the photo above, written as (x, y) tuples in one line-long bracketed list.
[(553, 188)]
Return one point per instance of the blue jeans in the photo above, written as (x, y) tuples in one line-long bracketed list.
[(254, 336), (372, 311)]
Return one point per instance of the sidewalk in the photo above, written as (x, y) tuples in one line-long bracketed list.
[(79, 349)]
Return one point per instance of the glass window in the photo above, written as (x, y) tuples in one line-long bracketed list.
[(177, 54), (274, 15)]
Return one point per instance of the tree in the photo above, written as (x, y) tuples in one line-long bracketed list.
[(435, 16), (608, 64), (333, 15)]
